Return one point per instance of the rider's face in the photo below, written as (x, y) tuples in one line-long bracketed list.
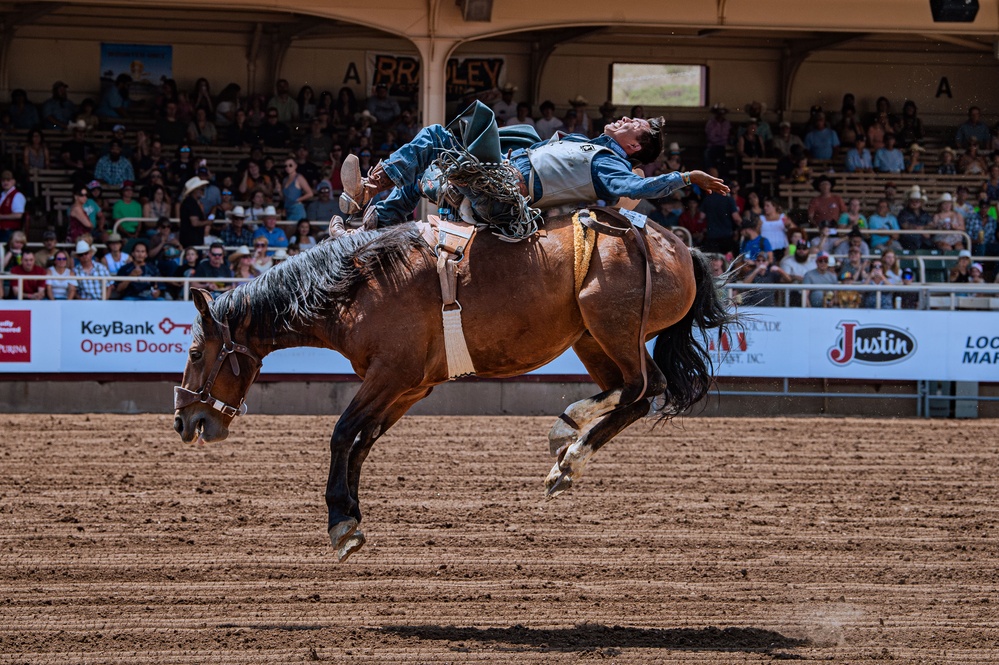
[(627, 131)]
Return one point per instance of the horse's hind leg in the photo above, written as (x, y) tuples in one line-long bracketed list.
[(574, 457), (607, 413)]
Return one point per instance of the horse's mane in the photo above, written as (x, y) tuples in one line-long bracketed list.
[(293, 294)]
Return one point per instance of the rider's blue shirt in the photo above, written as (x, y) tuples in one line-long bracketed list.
[(611, 173)]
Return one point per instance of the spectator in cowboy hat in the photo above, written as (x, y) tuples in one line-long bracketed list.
[(114, 258), (947, 165), (193, 219), (275, 237), (717, 132), (914, 164), (913, 217), (90, 289), (584, 125), (505, 108), (235, 233), (241, 264)]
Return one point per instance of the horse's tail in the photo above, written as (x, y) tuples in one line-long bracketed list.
[(680, 351)]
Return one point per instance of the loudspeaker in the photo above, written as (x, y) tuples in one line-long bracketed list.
[(482, 10), (954, 11)]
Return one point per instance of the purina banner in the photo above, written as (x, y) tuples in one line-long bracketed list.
[(148, 337)]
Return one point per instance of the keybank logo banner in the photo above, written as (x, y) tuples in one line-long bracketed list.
[(154, 338)]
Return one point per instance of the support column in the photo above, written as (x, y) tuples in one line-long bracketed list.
[(434, 53)]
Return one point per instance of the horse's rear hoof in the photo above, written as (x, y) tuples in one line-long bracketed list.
[(559, 485), (341, 531), (351, 544)]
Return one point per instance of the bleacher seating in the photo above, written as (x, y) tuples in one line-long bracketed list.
[(869, 187)]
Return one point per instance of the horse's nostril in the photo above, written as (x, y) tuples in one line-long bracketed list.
[(178, 425)]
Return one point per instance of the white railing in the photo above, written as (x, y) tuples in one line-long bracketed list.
[(986, 296), (110, 280), (175, 221), (954, 296)]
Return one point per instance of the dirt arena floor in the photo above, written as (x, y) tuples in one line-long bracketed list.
[(724, 541)]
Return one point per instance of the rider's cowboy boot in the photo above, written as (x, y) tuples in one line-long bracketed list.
[(336, 227), (358, 190), (370, 219)]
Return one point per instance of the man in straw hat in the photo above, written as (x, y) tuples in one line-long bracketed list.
[(584, 124), (572, 171), (90, 289), (505, 108), (914, 218), (193, 218), (235, 232)]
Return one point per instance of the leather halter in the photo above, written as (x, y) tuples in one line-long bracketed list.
[(183, 397)]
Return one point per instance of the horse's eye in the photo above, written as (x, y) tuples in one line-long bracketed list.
[(195, 355)]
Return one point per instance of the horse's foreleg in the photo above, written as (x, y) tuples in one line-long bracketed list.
[(573, 458), (357, 423), (352, 540)]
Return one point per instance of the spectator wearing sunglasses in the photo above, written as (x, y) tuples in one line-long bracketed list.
[(215, 266)]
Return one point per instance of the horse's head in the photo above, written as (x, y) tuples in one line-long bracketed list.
[(218, 374)]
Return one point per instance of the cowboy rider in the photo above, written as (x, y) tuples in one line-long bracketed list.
[(570, 170)]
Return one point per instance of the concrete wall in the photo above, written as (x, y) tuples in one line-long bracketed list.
[(463, 398)]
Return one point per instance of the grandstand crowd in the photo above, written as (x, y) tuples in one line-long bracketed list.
[(220, 186)]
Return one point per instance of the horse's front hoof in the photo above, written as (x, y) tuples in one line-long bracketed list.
[(351, 544), (556, 483), (340, 531)]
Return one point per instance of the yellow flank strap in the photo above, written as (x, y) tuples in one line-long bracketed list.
[(583, 240)]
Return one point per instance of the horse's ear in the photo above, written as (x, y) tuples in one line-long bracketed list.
[(203, 301)]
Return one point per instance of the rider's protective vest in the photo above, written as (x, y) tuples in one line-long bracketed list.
[(565, 171)]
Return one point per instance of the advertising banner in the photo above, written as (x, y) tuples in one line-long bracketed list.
[(148, 65), (154, 337), (401, 73)]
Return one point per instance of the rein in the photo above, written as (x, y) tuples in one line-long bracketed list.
[(182, 397)]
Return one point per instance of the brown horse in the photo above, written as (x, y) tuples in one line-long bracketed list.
[(375, 298)]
